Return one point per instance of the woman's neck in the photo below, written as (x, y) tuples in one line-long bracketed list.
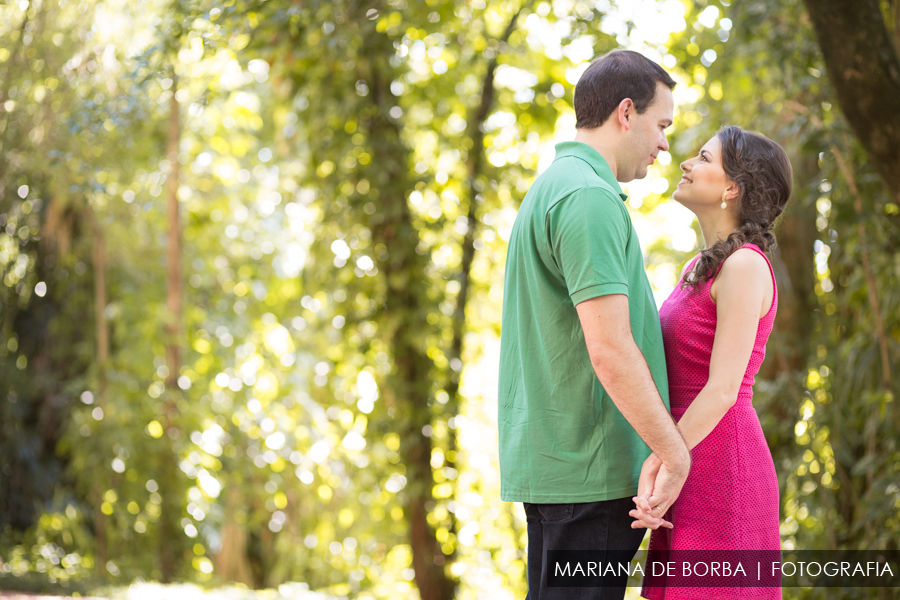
[(716, 224)]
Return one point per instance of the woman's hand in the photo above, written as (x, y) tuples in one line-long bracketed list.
[(654, 477)]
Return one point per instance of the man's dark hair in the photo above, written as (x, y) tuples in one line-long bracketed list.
[(612, 78)]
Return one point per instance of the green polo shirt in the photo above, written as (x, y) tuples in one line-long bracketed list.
[(562, 439)]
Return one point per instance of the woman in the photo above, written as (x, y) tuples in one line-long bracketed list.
[(715, 326)]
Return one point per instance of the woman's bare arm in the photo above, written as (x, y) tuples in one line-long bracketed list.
[(742, 288)]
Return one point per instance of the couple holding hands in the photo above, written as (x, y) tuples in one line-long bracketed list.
[(615, 417)]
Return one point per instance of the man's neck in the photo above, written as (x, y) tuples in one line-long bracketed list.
[(599, 140)]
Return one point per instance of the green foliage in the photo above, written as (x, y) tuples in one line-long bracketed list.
[(275, 411), (349, 173), (828, 407)]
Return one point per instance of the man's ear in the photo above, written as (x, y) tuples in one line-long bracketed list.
[(624, 112)]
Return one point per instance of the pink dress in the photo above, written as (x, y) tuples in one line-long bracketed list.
[(730, 498)]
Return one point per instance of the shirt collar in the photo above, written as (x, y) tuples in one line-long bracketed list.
[(592, 158)]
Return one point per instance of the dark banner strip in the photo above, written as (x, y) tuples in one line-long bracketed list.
[(725, 569)]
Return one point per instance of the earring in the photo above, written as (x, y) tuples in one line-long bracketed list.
[(723, 205)]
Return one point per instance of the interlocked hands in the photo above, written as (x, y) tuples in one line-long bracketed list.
[(658, 488)]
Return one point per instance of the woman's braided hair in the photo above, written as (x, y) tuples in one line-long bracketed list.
[(763, 175)]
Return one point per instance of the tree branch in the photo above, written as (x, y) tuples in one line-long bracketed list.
[(474, 167), (474, 164), (12, 63)]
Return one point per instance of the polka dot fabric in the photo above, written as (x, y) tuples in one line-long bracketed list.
[(730, 498)]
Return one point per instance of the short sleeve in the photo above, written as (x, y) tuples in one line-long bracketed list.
[(588, 233)]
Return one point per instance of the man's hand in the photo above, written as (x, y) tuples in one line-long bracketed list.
[(642, 511), (658, 488)]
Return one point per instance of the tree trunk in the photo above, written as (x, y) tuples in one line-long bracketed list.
[(171, 506), (173, 299), (100, 301), (407, 294), (231, 561), (405, 318), (475, 168), (411, 389), (794, 265), (864, 68)]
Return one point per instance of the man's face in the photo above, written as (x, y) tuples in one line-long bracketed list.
[(647, 136)]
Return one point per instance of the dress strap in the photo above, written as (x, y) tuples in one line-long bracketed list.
[(689, 265), (693, 263)]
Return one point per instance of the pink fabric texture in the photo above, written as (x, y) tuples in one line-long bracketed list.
[(730, 498)]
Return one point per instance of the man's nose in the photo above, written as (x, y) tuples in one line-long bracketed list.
[(664, 146)]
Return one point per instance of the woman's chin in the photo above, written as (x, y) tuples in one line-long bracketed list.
[(684, 199)]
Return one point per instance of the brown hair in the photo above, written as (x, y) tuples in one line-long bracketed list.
[(762, 171), (610, 79)]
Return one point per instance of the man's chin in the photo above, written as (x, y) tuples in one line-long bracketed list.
[(640, 173), (624, 176)]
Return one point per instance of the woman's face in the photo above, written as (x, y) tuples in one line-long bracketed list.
[(704, 181)]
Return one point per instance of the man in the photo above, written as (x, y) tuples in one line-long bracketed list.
[(583, 388)]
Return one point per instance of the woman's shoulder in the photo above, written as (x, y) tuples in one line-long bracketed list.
[(746, 268), (748, 259)]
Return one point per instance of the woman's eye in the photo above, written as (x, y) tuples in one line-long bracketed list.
[(703, 158)]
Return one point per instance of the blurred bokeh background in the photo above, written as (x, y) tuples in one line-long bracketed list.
[(252, 265)]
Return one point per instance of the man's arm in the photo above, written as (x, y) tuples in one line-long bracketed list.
[(622, 370)]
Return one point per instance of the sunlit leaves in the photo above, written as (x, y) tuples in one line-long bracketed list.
[(821, 420), (290, 435)]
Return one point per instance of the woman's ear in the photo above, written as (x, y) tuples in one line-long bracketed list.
[(732, 191)]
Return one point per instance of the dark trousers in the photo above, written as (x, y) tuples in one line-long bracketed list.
[(596, 526)]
